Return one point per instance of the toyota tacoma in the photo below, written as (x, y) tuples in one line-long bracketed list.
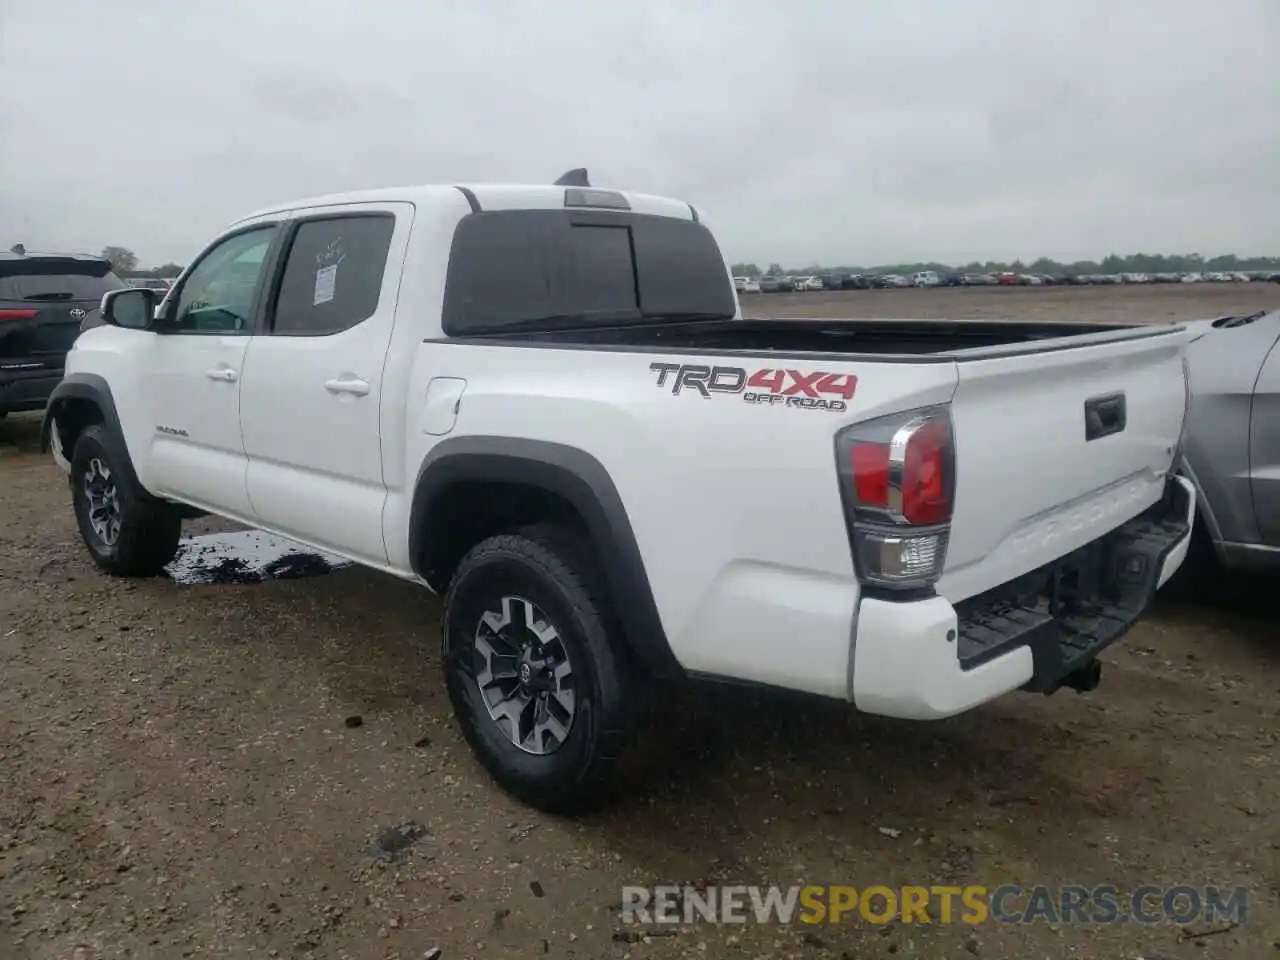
[(543, 403)]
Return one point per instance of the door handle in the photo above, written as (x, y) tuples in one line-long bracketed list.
[(357, 388), (225, 374)]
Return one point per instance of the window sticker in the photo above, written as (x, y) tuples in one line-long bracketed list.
[(326, 281), (327, 272)]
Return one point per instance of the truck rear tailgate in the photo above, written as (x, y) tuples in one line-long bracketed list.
[(1056, 448)]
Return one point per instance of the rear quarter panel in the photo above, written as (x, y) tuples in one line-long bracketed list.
[(735, 506)]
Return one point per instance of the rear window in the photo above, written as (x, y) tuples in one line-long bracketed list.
[(50, 280), (566, 268)]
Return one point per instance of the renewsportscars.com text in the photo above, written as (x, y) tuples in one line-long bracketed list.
[(877, 904)]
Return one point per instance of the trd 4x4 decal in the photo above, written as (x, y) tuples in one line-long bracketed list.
[(808, 390)]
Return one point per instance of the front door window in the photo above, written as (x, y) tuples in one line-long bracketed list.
[(219, 293)]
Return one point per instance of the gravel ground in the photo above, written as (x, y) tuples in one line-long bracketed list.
[(191, 770), (1155, 303)]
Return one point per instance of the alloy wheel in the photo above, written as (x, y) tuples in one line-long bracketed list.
[(524, 674), (103, 500)]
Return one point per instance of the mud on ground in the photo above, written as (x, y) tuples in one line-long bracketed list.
[(208, 770)]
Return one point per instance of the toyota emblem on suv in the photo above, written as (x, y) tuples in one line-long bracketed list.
[(77, 313)]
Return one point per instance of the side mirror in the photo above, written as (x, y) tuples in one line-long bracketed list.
[(131, 308)]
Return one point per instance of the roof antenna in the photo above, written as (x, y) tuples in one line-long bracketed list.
[(574, 178)]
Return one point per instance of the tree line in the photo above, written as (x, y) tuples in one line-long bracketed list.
[(125, 263), (1112, 263)]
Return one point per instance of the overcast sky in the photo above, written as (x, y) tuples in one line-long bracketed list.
[(816, 131)]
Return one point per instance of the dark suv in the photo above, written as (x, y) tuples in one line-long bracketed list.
[(44, 300)]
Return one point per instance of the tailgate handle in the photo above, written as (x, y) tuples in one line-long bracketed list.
[(1104, 416)]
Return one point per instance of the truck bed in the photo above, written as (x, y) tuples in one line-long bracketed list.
[(1066, 431), (915, 339)]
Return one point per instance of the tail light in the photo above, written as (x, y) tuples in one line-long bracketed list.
[(1176, 463), (24, 314), (897, 482)]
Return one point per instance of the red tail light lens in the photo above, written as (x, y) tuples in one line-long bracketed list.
[(17, 314), (898, 485), (925, 495), (870, 463), (903, 468)]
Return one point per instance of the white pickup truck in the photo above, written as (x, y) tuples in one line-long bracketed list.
[(543, 403)]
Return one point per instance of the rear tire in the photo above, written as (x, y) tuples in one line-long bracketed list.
[(543, 687), (128, 532)]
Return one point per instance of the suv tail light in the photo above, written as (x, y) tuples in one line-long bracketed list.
[(7, 314), (897, 483), (1176, 464)]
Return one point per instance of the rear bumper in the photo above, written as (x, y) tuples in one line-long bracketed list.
[(22, 390), (927, 659)]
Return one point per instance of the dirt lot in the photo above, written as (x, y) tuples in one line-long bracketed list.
[(1157, 303), (182, 772)]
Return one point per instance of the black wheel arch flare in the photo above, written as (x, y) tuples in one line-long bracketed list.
[(79, 386), (94, 389), (574, 476)]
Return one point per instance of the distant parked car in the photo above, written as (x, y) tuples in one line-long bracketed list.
[(926, 278), (857, 281), (892, 280), (160, 285), (770, 285), (977, 280), (1231, 450), (809, 284), (1192, 278), (833, 281), (1007, 279)]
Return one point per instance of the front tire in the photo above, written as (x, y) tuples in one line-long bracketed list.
[(128, 532), (542, 685)]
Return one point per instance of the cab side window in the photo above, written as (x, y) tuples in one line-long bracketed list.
[(333, 274), (219, 293)]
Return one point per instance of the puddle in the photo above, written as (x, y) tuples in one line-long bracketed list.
[(247, 556)]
